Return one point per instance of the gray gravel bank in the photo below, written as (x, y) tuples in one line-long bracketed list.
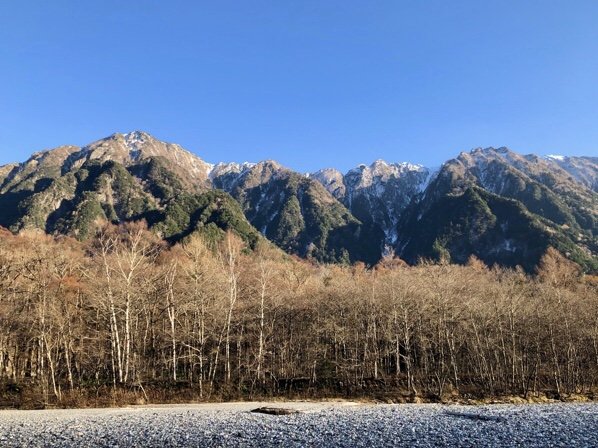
[(320, 425)]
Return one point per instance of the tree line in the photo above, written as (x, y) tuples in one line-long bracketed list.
[(124, 316)]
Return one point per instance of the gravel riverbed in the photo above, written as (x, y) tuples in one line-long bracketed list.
[(317, 425)]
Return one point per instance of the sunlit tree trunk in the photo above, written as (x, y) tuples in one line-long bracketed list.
[(229, 257), (170, 308)]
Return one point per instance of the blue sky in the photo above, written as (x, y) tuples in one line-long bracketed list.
[(311, 84)]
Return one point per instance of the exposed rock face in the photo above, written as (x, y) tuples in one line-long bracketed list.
[(333, 180), (128, 149)]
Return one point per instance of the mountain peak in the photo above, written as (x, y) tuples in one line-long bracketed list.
[(136, 135), (332, 179), (131, 148), (379, 162), (490, 151)]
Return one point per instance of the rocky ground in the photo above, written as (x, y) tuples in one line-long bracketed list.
[(315, 425)]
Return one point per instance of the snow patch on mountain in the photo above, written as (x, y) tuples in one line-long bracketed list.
[(552, 157), (223, 168), (134, 142)]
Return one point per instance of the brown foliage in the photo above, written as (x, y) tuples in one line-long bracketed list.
[(126, 319)]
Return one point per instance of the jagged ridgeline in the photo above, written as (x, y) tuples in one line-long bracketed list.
[(500, 206)]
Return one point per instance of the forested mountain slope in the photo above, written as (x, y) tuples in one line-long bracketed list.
[(498, 205)]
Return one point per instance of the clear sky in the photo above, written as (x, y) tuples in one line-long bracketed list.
[(309, 83)]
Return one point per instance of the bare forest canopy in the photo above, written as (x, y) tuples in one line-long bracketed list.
[(125, 318)]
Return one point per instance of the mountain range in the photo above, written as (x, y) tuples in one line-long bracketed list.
[(494, 204)]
